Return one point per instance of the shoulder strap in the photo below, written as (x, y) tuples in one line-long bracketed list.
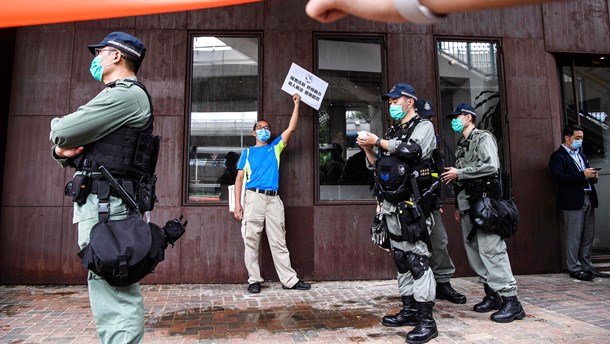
[(411, 128)]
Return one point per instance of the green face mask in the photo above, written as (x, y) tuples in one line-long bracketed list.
[(457, 125), (396, 112), (96, 69)]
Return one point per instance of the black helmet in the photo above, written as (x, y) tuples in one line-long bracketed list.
[(483, 214), (409, 152)]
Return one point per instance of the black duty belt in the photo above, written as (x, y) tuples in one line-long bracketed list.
[(264, 192)]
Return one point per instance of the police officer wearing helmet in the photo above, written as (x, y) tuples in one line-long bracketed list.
[(477, 160), (410, 141), (93, 135), (440, 261)]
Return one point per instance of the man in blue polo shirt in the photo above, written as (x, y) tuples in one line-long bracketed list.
[(260, 164)]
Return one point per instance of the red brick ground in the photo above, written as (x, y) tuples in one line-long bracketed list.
[(559, 310)]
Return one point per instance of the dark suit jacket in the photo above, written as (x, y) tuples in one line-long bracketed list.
[(570, 181)]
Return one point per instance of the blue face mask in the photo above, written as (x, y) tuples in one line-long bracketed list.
[(263, 135), (96, 69), (576, 144), (396, 112), (457, 125)]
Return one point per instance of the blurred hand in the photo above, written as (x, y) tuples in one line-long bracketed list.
[(450, 175), (237, 212), (68, 152), (296, 98), (327, 11), (367, 140)]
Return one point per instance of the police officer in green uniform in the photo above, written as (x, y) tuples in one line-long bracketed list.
[(477, 160), (440, 261), (412, 141), (96, 133)]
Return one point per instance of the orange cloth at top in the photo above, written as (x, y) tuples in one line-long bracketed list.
[(34, 12)]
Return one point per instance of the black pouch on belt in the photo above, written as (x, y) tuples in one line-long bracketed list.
[(79, 188)]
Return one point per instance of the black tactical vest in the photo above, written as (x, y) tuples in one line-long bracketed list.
[(127, 152), (391, 176)]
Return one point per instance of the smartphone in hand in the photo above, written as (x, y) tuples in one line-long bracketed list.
[(596, 168)]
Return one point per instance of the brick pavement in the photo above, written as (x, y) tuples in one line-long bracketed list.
[(559, 310)]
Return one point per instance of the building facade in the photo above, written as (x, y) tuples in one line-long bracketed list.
[(212, 73)]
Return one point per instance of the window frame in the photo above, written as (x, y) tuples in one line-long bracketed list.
[(384, 56), (188, 104), (440, 120)]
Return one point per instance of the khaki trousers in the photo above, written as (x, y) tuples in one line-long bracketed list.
[(424, 288), (118, 311), (440, 261), (487, 256), (262, 211)]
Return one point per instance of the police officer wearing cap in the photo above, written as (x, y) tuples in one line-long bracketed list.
[(440, 261), (477, 159), (411, 140), (82, 140)]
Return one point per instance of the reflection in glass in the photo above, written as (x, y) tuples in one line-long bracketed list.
[(224, 106), (468, 73), (353, 69)]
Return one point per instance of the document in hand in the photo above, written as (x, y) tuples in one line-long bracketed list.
[(307, 85)]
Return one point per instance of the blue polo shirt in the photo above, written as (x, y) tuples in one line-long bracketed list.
[(261, 165)]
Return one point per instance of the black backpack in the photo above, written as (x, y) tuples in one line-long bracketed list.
[(124, 251)]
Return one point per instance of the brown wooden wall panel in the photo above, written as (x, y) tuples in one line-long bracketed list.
[(413, 66), (522, 22), (574, 26), (243, 17), (41, 72), (476, 24), (72, 269), (409, 28), (531, 147), (171, 162), (112, 24), (212, 249), (343, 247), (164, 69), (31, 177), (555, 97), (296, 177), (525, 72), (300, 232), (30, 245), (163, 21)]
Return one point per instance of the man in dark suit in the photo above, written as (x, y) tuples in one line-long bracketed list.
[(577, 199)]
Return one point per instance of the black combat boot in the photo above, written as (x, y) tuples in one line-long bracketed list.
[(444, 291), (426, 326), (406, 316), (492, 300), (511, 309)]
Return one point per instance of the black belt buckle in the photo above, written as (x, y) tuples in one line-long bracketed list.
[(264, 192)]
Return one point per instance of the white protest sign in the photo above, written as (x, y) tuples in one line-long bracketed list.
[(307, 85)]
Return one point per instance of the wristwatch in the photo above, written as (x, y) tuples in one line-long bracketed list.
[(378, 142), (415, 12)]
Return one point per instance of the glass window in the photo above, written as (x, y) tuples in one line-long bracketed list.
[(468, 73), (224, 104), (352, 66), (586, 92)]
